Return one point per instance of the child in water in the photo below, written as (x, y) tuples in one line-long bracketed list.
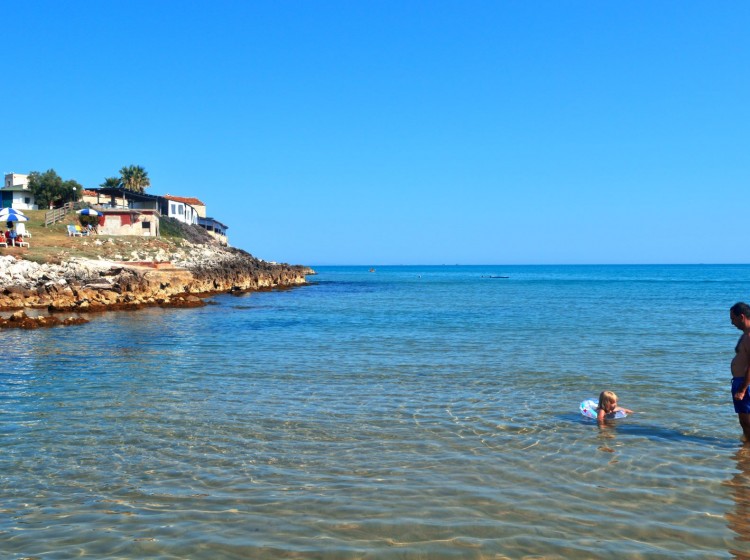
[(608, 406)]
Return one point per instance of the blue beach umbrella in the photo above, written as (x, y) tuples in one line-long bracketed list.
[(13, 218), (10, 211), (88, 212)]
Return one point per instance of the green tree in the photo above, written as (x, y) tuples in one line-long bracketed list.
[(135, 178), (112, 183), (50, 190)]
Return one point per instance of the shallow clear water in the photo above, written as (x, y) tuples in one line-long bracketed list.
[(414, 412)]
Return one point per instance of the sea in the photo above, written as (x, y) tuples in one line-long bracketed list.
[(408, 412)]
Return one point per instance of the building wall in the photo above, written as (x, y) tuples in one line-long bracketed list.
[(217, 230), (129, 223), (23, 201), (16, 193), (145, 205), (176, 210), (182, 212), (20, 200), (16, 180)]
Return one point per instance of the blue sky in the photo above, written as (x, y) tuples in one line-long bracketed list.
[(403, 132)]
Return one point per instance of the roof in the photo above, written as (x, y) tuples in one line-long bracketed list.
[(185, 199), (209, 221), (117, 211), (87, 192), (132, 195)]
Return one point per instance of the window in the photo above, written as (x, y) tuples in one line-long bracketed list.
[(182, 209), (27, 200), (173, 208), (145, 225)]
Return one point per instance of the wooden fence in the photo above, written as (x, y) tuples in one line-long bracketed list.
[(57, 214)]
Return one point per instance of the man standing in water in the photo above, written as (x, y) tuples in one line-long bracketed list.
[(739, 314)]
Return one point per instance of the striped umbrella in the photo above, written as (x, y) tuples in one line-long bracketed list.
[(89, 212), (10, 211), (13, 218)]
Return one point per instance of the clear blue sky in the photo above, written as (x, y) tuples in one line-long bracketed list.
[(403, 132)]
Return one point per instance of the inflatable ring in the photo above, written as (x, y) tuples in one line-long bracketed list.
[(589, 408)]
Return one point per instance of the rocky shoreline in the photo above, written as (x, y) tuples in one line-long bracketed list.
[(80, 285)]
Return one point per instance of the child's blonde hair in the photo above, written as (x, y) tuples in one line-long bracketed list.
[(607, 397)]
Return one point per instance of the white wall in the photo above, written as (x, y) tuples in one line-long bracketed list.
[(16, 180), (23, 201), (182, 212)]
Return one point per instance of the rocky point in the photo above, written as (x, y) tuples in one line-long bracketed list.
[(169, 279)]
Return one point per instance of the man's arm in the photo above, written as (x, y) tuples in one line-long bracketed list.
[(745, 351)]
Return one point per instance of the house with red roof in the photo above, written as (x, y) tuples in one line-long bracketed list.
[(182, 208), (193, 211), (128, 213)]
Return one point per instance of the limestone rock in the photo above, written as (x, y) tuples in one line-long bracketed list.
[(176, 278)]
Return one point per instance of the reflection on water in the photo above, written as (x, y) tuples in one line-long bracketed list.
[(607, 438)]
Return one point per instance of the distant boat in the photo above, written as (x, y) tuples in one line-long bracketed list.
[(495, 276), (372, 270)]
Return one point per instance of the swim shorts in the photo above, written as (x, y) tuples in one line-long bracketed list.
[(743, 406)]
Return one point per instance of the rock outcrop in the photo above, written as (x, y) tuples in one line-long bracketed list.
[(19, 320), (99, 285)]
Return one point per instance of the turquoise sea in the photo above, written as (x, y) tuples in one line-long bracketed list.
[(413, 412)]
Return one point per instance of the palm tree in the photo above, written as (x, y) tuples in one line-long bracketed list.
[(111, 183), (134, 178)]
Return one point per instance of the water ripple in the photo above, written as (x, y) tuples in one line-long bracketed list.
[(382, 416)]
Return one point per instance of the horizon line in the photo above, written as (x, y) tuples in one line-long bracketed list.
[(541, 264)]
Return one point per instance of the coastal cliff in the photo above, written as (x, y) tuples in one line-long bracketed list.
[(176, 279)]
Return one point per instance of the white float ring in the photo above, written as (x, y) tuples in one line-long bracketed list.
[(589, 409)]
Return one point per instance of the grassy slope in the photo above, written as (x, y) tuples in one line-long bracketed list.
[(52, 244)]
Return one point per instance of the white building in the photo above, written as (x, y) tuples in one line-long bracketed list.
[(184, 209), (15, 192)]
